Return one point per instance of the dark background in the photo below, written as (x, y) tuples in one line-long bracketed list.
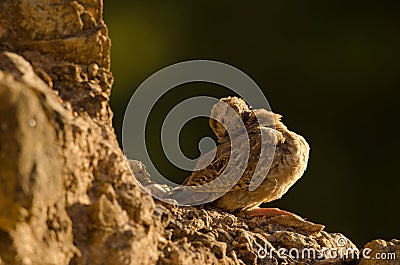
[(331, 68)]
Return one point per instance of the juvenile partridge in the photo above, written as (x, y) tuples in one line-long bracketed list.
[(280, 166)]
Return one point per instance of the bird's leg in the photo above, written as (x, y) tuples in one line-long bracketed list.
[(268, 212)]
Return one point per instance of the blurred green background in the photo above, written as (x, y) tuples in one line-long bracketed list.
[(331, 68)]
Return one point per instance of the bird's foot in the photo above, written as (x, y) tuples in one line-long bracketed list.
[(268, 212)]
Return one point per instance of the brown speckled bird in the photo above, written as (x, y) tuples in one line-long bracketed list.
[(288, 162)]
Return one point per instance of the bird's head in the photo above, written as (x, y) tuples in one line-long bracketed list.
[(227, 113)]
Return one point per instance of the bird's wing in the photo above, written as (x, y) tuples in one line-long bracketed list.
[(262, 143)]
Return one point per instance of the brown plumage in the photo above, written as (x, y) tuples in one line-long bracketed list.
[(288, 162)]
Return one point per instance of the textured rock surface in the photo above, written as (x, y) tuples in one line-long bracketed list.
[(34, 225), (65, 182), (219, 237), (382, 252), (66, 194)]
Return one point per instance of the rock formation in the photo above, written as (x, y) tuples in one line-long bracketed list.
[(67, 196)]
